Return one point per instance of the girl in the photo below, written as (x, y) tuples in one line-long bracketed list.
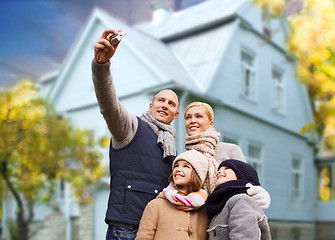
[(177, 213)]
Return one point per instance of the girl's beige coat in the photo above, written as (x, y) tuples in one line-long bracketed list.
[(161, 220)]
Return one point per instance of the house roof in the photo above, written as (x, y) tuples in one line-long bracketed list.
[(155, 53), (201, 54), (185, 63), (193, 19), (145, 39), (199, 36)]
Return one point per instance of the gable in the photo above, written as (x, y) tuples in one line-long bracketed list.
[(139, 59), (252, 14), (47, 83), (227, 84), (201, 53)]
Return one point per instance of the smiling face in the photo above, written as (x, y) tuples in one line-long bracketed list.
[(197, 120), (181, 175), (164, 107), (224, 175)]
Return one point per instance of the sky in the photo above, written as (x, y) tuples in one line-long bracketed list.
[(36, 35)]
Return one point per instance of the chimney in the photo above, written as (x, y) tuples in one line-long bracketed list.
[(161, 10)]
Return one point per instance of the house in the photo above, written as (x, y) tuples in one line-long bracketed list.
[(225, 53)]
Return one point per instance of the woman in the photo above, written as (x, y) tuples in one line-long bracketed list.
[(177, 212), (199, 118), (202, 136)]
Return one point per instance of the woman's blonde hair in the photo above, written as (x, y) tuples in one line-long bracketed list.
[(208, 109)]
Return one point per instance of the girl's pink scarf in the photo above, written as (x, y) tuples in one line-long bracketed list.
[(192, 201)]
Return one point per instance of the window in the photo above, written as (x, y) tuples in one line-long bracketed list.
[(295, 234), (59, 189), (248, 75), (230, 139), (326, 184), (75, 229), (279, 93), (297, 179), (267, 32), (274, 232), (255, 158), (266, 19)]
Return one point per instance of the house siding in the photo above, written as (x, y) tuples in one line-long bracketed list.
[(278, 149)]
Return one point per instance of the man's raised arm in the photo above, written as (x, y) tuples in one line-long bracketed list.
[(121, 124)]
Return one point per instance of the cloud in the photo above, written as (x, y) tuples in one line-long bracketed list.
[(36, 38), (37, 34), (11, 73)]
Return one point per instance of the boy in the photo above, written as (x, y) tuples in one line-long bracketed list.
[(234, 214)]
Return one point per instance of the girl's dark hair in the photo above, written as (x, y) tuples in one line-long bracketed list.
[(195, 183)]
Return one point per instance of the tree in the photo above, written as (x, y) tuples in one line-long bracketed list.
[(1, 192), (311, 41), (39, 147)]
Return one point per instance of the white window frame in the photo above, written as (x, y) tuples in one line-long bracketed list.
[(278, 79), (297, 190), (257, 163), (248, 73)]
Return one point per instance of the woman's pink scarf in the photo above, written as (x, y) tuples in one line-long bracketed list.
[(205, 142)]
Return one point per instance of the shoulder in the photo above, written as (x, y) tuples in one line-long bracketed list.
[(159, 202), (223, 145), (154, 207), (243, 201), (241, 197), (226, 151)]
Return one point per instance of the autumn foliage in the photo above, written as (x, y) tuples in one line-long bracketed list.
[(312, 41), (38, 147)]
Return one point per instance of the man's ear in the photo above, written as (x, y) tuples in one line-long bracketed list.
[(177, 114), (150, 105)]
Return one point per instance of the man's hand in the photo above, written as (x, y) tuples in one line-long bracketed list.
[(103, 49), (261, 196)]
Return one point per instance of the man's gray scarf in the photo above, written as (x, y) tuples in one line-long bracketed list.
[(165, 133)]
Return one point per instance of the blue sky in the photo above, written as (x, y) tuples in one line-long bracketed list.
[(37, 34)]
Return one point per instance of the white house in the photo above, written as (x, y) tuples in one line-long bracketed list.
[(222, 52)]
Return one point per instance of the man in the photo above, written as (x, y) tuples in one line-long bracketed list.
[(142, 149)]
